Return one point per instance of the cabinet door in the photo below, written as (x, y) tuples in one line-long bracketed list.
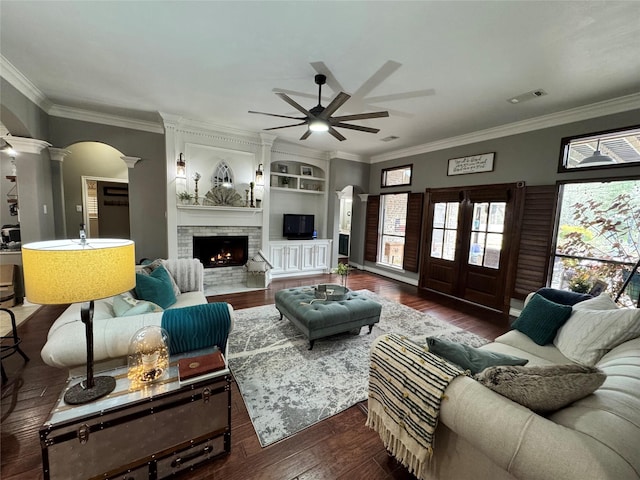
[(277, 258), (308, 257), (322, 256), (293, 258)]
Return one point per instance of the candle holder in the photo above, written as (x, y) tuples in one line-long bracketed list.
[(196, 178)]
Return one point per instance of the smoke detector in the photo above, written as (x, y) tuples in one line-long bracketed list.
[(527, 96), (389, 138)]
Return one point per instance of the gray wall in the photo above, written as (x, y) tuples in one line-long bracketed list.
[(25, 119), (531, 157), (20, 115), (147, 181), (341, 174)]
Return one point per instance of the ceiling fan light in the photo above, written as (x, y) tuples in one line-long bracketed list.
[(319, 125)]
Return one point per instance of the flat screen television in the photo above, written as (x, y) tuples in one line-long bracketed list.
[(297, 226)]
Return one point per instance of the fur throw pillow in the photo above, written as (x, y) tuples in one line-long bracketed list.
[(543, 388)]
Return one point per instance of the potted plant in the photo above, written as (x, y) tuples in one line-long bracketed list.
[(185, 197), (343, 270)]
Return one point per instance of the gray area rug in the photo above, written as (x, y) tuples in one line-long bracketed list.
[(288, 388)]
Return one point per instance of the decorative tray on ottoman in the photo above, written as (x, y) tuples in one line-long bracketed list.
[(332, 292)]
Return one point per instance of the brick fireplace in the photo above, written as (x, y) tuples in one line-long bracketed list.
[(216, 275)]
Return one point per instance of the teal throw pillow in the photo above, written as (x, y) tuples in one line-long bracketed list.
[(541, 318), (156, 287), (125, 306), (469, 358)]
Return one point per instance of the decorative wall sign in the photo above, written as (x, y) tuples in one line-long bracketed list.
[(471, 164)]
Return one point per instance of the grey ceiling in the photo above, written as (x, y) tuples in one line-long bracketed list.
[(441, 68)]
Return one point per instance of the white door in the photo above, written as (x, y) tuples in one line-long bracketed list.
[(322, 256), (293, 258), (277, 255), (308, 256)]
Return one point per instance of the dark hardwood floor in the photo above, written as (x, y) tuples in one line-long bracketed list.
[(340, 447)]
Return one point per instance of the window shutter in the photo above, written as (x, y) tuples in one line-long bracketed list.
[(412, 232), (371, 233), (536, 236)]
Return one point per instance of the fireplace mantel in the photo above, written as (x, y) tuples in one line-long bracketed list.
[(202, 215)]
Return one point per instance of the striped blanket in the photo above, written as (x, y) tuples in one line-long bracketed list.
[(406, 386)]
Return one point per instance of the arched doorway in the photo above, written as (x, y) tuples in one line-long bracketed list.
[(96, 191)]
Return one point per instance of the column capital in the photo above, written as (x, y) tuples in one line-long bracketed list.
[(58, 154), (26, 145), (130, 161), (363, 197), (267, 139)]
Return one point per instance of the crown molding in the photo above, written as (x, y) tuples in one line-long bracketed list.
[(104, 119), (197, 126), (12, 75), (337, 154), (594, 110)]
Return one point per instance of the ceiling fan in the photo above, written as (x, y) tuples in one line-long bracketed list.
[(319, 118)]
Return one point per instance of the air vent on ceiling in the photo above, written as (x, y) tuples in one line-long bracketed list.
[(389, 138), (527, 96)]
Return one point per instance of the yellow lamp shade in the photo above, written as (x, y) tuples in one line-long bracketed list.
[(71, 271)]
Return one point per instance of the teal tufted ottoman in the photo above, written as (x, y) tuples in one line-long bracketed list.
[(322, 318)]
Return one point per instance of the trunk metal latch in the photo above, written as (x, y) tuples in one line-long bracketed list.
[(83, 433)]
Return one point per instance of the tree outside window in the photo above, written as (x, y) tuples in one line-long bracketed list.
[(598, 237)]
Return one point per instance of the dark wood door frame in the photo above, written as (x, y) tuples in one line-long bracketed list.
[(451, 272)]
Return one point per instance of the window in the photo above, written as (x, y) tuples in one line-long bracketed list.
[(601, 150), (445, 230), (397, 176), (393, 221), (486, 234), (598, 237)]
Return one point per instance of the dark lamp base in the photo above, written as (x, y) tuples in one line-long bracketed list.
[(79, 394)]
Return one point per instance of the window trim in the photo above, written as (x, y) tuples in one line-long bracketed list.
[(564, 144), (381, 233), (400, 167)]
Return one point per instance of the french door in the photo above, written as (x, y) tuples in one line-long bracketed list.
[(468, 243)]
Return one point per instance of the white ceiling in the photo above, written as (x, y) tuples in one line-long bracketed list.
[(441, 69)]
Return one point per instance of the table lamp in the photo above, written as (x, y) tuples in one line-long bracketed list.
[(71, 271)]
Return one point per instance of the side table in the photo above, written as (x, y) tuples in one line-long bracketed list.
[(147, 433)]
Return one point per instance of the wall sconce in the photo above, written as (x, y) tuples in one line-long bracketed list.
[(148, 358), (259, 176), (181, 170)]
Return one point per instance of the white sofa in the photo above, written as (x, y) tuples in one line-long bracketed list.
[(66, 345), (484, 435)]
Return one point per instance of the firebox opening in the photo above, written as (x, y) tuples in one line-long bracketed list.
[(221, 251)]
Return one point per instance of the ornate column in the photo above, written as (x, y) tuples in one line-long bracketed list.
[(35, 197), (57, 156), (266, 142)]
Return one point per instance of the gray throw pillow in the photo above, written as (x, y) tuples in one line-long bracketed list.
[(543, 388), (468, 358)]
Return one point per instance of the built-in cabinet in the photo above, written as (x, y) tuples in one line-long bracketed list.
[(297, 177), (299, 257)]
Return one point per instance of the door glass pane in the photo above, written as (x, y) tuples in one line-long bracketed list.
[(476, 248), (436, 243), (493, 249), (439, 212), (496, 216), (449, 248), (452, 215), (480, 217), (444, 233)]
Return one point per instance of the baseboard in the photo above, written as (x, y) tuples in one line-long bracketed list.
[(387, 273)]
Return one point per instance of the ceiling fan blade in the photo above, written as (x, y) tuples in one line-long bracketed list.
[(287, 126), (335, 104), (336, 134), (294, 104), (361, 116), (356, 127), (275, 115), (305, 135)]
